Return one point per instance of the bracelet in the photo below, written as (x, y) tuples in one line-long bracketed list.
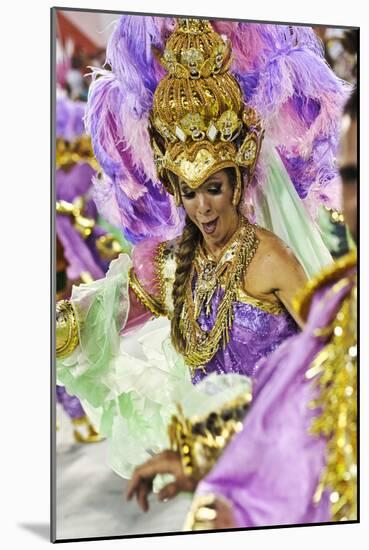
[(66, 329), (202, 514), (201, 442)]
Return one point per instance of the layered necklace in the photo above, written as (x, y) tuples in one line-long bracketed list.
[(228, 273)]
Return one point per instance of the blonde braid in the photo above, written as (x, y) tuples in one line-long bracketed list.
[(184, 256)]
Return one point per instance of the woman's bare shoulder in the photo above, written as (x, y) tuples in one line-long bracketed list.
[(276, 261), (272, 246), (273, 268)]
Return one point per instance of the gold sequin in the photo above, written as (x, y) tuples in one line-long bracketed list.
[(302, 300), (334, 371)]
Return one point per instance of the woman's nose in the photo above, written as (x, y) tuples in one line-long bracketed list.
[(203, 204)]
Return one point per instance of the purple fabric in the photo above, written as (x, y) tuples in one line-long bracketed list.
[(70, 403), (69, 118), (74, 183), (76, 251), (270, 471), (80, 253), (254, 335)]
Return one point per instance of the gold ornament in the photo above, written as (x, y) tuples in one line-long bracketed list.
[(150, 302), (66, 329), (333, 272), (84, 431), (200, 441), (69, 153), (202, 514), (228, 272), (108, 246), (81, 223), (334, 372), (199, 122)]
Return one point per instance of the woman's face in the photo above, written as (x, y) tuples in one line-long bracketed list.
[(210, 208)]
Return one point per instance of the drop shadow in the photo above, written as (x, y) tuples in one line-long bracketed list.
[(40, 529)]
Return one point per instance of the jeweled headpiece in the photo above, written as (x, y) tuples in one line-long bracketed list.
[(199, 121)]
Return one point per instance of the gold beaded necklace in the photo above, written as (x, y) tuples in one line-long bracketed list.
[(235, 257)]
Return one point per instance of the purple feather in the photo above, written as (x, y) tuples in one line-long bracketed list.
[(117, 119), (130, 55), (282, 73)]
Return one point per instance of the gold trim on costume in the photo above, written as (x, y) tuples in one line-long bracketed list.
[(334, 371), (202, 514), (165, 269), (302, 300), (201, 346), (81, 223), (152, 303), (66, 329), (274, 309), (201, 441), (159, 262)]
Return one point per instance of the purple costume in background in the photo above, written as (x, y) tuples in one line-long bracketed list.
[(255, 333), (75, 181), (270, 471), (70, 403)]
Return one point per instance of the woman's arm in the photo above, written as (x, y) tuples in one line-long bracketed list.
[(288, 278), (141, 297), (275, 274)]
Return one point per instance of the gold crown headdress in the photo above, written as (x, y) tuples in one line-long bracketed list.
[(199, 123)]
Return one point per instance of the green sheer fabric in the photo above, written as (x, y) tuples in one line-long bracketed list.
[(130, 393), (279, 209)]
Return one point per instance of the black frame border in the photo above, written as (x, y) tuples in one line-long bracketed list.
[(53, 538)]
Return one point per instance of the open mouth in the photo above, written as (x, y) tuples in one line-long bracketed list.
[(210, 227)]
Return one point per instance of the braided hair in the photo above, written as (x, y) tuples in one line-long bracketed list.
[(184, 256)]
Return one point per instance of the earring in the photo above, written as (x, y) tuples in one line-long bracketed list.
[(237, 191), (236, 196), (237, 188)]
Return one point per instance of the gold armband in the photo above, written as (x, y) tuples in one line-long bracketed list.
[(150, 302), (66, 329), (201, 442)]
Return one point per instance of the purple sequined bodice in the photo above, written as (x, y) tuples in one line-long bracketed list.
[(255, 333)]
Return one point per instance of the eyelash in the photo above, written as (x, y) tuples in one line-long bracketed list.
[(212, 190), (188, 195), (215, 190)]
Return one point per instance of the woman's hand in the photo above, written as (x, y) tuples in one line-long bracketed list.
[(167, 462)]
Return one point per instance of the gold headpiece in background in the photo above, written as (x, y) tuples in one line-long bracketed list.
[(199, 122)]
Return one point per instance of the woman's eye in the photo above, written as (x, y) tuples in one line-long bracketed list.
[(216, 190), (189, 195)]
